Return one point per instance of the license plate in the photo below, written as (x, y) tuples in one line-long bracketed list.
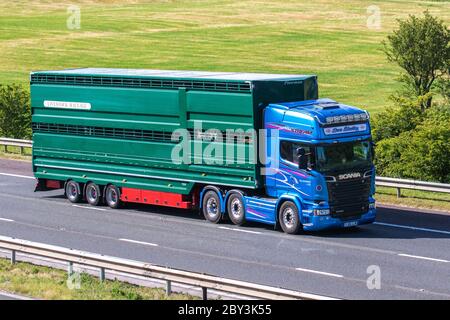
[(350, 224)]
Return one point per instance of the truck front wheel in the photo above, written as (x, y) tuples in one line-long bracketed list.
[(73, 191), (288, 217), (235, 208), (211, 207)]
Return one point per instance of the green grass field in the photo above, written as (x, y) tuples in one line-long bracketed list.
[(325, 37)]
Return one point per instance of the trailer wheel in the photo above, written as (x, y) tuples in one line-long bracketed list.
[(112, 196), (211, 207), (93, 194), (235, 208), (73, 191), (288, 217)]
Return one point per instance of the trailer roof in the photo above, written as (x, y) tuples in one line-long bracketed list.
[(175, 74)]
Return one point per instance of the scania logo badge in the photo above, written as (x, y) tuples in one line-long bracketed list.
[(352, 175)]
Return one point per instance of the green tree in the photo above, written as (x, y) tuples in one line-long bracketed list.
[(443, 87), (15, 112), (420, 46)]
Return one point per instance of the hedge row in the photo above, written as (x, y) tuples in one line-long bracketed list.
[(414, 144), (15, 112)]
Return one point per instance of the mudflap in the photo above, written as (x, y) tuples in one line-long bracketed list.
[(40, 185)]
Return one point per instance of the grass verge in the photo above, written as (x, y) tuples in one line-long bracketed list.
[(414, 199), (14, 153), (48, 283)]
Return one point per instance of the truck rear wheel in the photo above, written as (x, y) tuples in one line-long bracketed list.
[(93, 194), (211, 207), (112, 196), (235, 208), (73, 191), (288, 217)]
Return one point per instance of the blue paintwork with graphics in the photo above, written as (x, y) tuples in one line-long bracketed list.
[(301, 122)]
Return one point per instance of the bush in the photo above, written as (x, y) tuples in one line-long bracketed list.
[(443, 87), (427, 156), (396, 119), (421, 153), (15, 112)]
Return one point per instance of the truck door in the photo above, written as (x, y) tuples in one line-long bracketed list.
[(289, 178)]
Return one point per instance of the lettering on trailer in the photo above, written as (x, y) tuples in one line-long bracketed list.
[(293, 82), (346, 129), (67, 105)]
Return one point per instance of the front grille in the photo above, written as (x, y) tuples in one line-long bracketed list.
[(350, 198)]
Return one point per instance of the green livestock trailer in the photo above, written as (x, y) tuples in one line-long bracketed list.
[(115, 126)]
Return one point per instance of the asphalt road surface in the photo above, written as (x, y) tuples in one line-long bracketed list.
[(409, 248), (10, 296), (3, 297)]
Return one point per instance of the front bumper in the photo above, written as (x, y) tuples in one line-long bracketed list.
[(317, 223)]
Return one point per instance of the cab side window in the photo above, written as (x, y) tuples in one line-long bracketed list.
[(288, 152)]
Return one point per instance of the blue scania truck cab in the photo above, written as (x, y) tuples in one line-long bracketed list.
[(321, 168)]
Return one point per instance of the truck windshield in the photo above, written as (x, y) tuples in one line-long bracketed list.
[(342, 156)]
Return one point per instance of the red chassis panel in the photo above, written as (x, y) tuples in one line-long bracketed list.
[(156, 197)]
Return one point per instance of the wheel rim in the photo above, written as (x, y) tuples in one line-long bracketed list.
[(92, 194), (211, 207), (73, 191), (112, 196), (236, 208), (289, 218)]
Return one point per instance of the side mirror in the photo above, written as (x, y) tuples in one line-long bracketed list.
[(302, 158)]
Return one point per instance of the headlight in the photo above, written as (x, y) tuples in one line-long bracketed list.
[(321, 212)]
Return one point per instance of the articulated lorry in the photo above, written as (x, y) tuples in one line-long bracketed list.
[(243, 146)]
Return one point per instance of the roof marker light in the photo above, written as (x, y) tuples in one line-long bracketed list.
[(347, 118)]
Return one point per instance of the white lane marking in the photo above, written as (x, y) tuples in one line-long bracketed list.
[(16, 175), (320, 272), (86, 207), (7, 220), (234, 229), (411, 228), (423, 258), (139, 242)]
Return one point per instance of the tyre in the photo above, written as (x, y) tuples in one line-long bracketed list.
[(73, 191), (112, 196), (235, 209), (211, 207), (288, 217), (93, 194)]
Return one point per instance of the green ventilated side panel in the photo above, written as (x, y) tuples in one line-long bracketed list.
[(125, 136), (140, 81), (230, 113)]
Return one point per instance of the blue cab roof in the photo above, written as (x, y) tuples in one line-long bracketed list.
[(320, 108), (308, 119)]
